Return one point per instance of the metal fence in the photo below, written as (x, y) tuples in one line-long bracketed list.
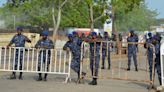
[(119, 64), (162, 64), (32, 60)]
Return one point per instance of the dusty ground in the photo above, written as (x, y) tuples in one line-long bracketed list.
[(54, 84)]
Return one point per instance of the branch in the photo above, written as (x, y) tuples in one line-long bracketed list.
[(63, 4), (96, 19), (78, 2)]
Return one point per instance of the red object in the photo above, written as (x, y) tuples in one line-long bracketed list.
[(86, 31)]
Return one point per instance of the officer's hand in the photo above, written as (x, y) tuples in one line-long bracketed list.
[(68, 49), (45, 47), (7, 47), (29, 41)]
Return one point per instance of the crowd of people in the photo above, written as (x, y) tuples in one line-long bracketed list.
[(95, 41)]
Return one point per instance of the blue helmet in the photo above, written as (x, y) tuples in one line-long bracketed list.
[(69, 35), (19, 28), (131, 31), (93, 34), (45, 33), (105, 33), (150, 34), (74, 32)]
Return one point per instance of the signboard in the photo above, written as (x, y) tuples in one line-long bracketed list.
[(108, 26)]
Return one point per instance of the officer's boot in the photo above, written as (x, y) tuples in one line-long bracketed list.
[(13, 76), (160, 82), (40, 77), (103, 64), (78, 77), (93, 82), (20, 76), (128, 69), (45, 77), (136, 69), (102, 67), (109, 66)]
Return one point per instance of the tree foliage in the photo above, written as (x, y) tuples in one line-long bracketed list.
[(132, 14), (77, 13)]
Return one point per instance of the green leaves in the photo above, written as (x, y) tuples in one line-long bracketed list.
[(76, 13), (132, 14), (140, 19)]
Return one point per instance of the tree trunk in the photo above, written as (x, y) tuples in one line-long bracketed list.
[(114, 28), (56, 24), (91, 17)]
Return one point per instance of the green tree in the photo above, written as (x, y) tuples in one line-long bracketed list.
[(130, 14)]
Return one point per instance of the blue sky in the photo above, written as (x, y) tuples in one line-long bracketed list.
[(152, 4), (156, 5), (2, 2)]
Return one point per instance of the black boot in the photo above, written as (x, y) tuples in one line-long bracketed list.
[(45, 77), (40, 77), (20, 76), (108, 67), (128, 69), (136, 69), (102, 67), (93, 82), (13, 76), (160, 82)]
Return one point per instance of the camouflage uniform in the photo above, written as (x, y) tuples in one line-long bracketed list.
[(150, 54), (75, 63), (19, 41), (157, 62), (156, 43), (94, 57), (132, 50), (45, 53), (104, 52)]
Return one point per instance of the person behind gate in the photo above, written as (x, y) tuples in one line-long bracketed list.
[(19, 40), (156, 43), (105, 50), (94, 57), (132, 50), (149, 53), (44, 44)]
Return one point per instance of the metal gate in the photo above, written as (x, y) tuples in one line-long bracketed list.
[(162, 59), (118, 68), (21, 59)]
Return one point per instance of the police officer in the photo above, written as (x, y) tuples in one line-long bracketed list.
[(94, 57), (83, 36), (105, 50), (132, 49), (76, 38), (156, 43), (150, 53), (44, 44), (19, 40), (158, 37), (75, 49)]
